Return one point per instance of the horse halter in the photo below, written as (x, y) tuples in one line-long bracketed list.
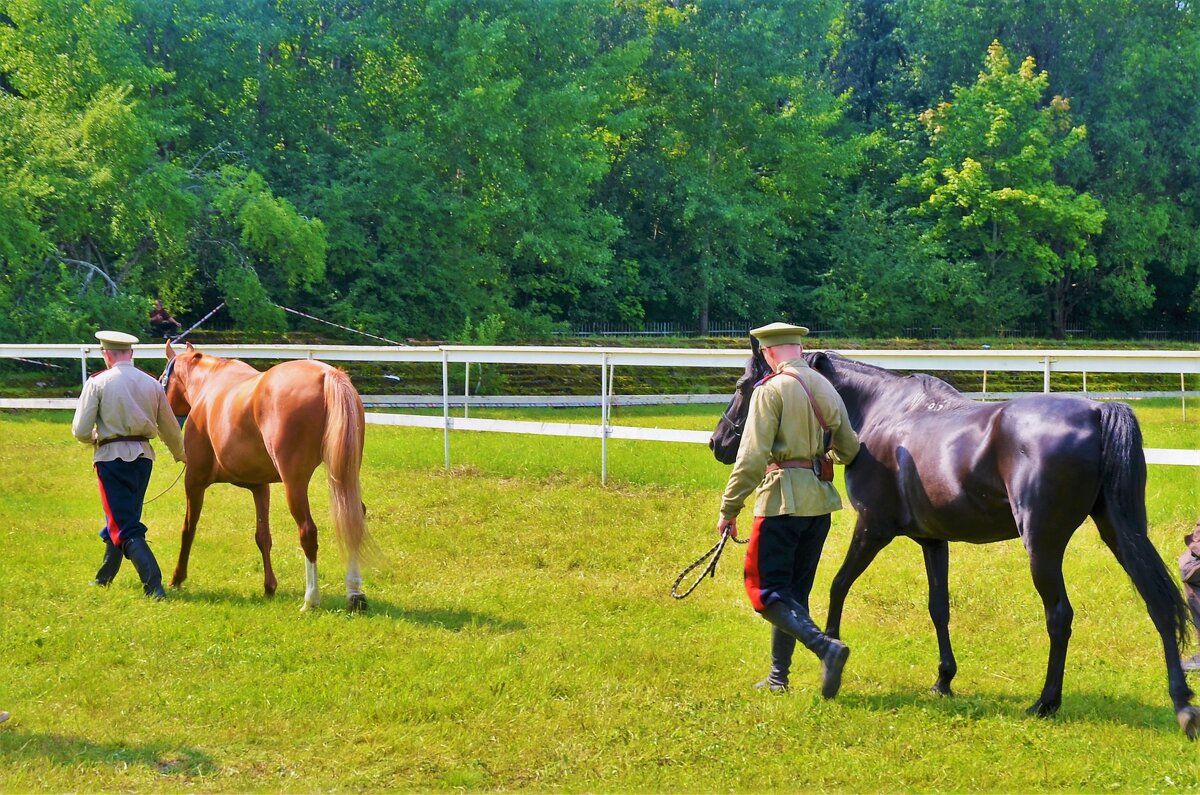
[(734, 424), (165, 378), (164, 381)]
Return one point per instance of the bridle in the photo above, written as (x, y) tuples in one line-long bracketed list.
[(738, 427), (164, 381), (165, 378), (734, 424)]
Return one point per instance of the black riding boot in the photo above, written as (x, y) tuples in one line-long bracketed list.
[(782, 646), (795, 621), (138, 551), (110, 566)]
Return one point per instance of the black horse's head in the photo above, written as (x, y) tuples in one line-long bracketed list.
[(727, 437)]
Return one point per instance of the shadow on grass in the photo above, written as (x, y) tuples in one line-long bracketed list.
[(1091, 709), (451, 619), (454, 620), (74, 752)]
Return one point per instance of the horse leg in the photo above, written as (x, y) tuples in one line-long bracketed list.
[(194, 489), (864, 546), (1046, 566), (937, 571), (1181, 695), (297, 500), (356, 600), (262, 533)]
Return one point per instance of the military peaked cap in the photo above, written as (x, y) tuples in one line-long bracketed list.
[(116, 340), (779, 334)]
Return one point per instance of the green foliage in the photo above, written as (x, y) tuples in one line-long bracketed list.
[(1129, 69), (990, 186), (291, 247), (247, 300), (735, 161), (885, 278), (487, 380), (403, 165)]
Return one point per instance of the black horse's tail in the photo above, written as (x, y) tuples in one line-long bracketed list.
[(1123, 490)]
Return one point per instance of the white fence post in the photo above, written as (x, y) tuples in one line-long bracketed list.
[(604, 418), (446, 404)]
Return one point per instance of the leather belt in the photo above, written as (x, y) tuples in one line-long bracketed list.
[(124, 439), (795, 463)]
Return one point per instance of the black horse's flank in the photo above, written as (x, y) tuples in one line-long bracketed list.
[(938, 467)]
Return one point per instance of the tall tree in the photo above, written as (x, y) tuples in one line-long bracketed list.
[(733, 165), (1131, 69), (991, 187)]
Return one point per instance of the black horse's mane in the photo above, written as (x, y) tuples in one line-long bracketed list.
[(878, 382)]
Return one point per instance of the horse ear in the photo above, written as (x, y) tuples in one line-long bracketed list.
[(818, 360), (170, 351), (190, 348)]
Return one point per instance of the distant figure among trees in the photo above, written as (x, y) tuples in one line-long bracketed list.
[(162, 322)]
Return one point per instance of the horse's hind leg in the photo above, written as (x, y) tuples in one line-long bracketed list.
[(262, 533), (1181, 695), (297, 500), (1046, 566), (356, 600), (937, 571)]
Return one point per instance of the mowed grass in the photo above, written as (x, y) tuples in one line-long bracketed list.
[(521, 635)]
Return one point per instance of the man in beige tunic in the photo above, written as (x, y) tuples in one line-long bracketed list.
[(781, 454), (120, 410)]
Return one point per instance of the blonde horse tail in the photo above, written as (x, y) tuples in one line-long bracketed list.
[(342, 451)]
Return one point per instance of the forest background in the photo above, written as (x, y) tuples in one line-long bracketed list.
[(489, 171)]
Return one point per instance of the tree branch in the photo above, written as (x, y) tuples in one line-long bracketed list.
[(94, 269)]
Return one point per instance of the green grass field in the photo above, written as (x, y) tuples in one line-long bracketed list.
[(521, 635)]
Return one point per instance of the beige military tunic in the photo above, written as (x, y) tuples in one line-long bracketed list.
[(124, 401), (781, 426)]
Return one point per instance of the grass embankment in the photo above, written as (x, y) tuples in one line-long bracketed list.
[(521, 636)]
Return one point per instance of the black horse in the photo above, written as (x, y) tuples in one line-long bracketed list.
[(937, 467)]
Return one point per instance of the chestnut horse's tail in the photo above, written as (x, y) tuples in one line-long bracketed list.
[(342, 451), (1123, 493)]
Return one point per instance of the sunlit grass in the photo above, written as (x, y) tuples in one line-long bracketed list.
[(521, 636)]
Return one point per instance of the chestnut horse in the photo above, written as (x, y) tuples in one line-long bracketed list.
[(253, 428), (937, 467)]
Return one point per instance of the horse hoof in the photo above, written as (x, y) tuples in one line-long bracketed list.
[(1189, 721), (941, 690), (356, 603), (1042, 710)]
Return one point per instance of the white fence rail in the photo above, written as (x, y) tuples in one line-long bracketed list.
[(1044, 361)]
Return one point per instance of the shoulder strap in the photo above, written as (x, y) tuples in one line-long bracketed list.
[(811, 400), (828, 436)]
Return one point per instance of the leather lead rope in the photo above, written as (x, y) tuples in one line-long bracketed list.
[(709, 570)]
